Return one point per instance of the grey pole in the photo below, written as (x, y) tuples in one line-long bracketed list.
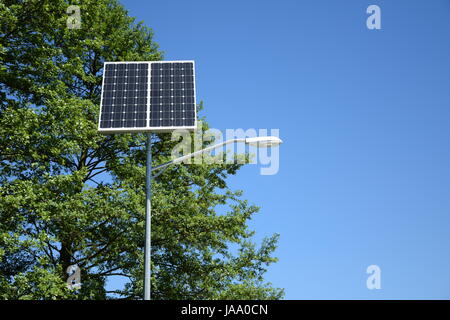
[(148, 221)]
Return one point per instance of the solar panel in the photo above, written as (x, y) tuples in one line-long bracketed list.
[(147, 96)]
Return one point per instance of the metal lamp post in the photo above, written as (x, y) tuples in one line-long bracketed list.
[(261, 142), (148, 220)]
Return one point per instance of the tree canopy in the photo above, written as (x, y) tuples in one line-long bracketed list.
[(69, 195)]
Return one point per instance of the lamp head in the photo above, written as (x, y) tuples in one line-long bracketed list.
[(264, 142)]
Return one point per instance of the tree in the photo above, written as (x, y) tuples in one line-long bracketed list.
[(70, 195)]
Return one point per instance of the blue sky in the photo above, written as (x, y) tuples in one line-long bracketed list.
[(365, 168)]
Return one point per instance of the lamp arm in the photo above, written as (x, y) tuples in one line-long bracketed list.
[(193, 154)]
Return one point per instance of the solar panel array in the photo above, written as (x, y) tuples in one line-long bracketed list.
[(148, 96)]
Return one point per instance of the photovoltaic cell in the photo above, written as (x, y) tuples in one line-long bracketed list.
[(148, 96)]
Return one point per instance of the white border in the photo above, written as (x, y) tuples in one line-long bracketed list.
[(147, 128), (101, 97)]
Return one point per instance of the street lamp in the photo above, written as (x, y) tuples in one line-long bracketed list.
[(154, 96), (260, 142)]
